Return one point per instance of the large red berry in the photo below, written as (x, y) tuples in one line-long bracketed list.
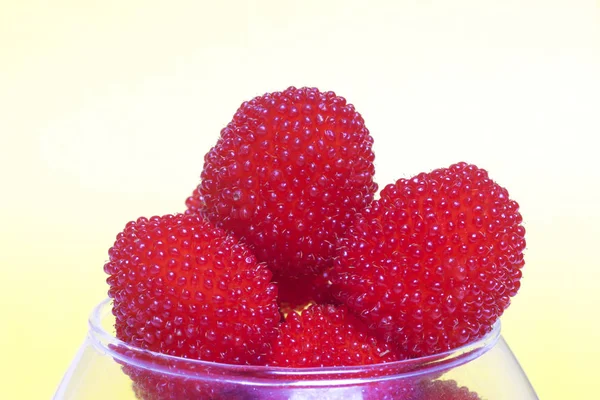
[(185, 288), (326, 336), (287, 175), (433, 263)]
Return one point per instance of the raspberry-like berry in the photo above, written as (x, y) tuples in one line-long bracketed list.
[(416, 388), (433, 263), (326, 336), (287, 175), (182, 287), (445, 390), (156, 378)]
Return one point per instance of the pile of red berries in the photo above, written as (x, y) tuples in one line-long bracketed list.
[(284, 257)]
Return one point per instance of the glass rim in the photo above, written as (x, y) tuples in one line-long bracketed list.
[(126, 354)]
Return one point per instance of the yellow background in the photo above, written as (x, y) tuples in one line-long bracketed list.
[(107, 108)]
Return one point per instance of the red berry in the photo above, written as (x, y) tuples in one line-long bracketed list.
[(433, 263), (445, 390), (193, 204), (184, 288), (326, 336), (287, 175), (157, 378), (418, 389)]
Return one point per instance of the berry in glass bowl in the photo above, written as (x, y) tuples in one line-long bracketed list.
[(285, 278)]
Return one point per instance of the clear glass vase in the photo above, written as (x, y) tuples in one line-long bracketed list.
[(107, 368)]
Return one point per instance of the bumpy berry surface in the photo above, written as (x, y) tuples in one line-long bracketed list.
[(287, 175), (433, 263), (184, 288), (326, 336), (445, 390), (424, 389), (156, 378)]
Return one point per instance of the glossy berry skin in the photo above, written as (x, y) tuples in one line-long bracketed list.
[(287, 175), (182, 287), (433, 263), (326, 336)]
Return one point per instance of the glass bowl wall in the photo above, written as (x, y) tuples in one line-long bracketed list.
[(107, 368)]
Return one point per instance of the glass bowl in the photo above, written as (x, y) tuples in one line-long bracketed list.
[(107, 368)]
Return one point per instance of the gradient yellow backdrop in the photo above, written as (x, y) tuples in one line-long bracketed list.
[(107, 107)]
